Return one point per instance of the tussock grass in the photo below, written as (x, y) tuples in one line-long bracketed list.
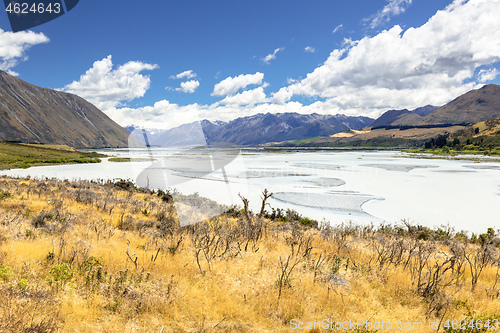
[(109, 257)]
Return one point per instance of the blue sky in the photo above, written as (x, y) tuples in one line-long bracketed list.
[(164, 63)]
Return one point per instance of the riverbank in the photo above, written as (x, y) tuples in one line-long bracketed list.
[(108, 256), (22, 156), (456, 156)]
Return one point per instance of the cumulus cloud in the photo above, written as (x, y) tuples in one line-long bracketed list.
[(189, 86), (272, 56), (162, 115), (393, 8), (13, 47), (430, 64), (231, 85), (486, 75), (185, 75), (106, 87), (248, 97), (310, 49)]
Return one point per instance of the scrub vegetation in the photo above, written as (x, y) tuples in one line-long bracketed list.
[(110, 257)]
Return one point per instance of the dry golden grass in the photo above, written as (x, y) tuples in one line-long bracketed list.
[(55, 147), (87, 257)]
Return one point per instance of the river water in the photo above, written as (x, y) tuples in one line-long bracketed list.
[(338, 186)]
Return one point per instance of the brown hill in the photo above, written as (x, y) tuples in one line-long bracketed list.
[(472, 107), (402, 117), (33, 114)]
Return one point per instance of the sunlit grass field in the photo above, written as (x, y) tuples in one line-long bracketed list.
[(18, 155), (109, 257)]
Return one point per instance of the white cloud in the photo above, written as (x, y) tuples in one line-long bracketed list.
[(272, 56), (162, 115), (231, 85), (106, 87), (13, 47), (486, 75), (430, 64), (285, 93), (185, 75), (337, 28), (248, 97), (310, 49), (393, 8), (189, 86)]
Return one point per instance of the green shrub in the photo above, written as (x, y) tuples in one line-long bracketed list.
[(308, 222), (93, 272), (5, 273), (470, 147), (60, 275), (472, 323), (22, 284), (335, 264), (4, 195)]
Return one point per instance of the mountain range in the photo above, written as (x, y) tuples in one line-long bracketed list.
[(253, 130), (32, 114)]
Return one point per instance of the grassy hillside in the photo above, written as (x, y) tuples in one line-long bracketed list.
[(481, 138), (104, 257), (16, 155), (377, 138)]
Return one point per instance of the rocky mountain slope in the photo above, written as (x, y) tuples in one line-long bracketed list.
[(32, 114)]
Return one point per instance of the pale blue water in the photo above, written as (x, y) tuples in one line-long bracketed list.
[(338, 186)]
